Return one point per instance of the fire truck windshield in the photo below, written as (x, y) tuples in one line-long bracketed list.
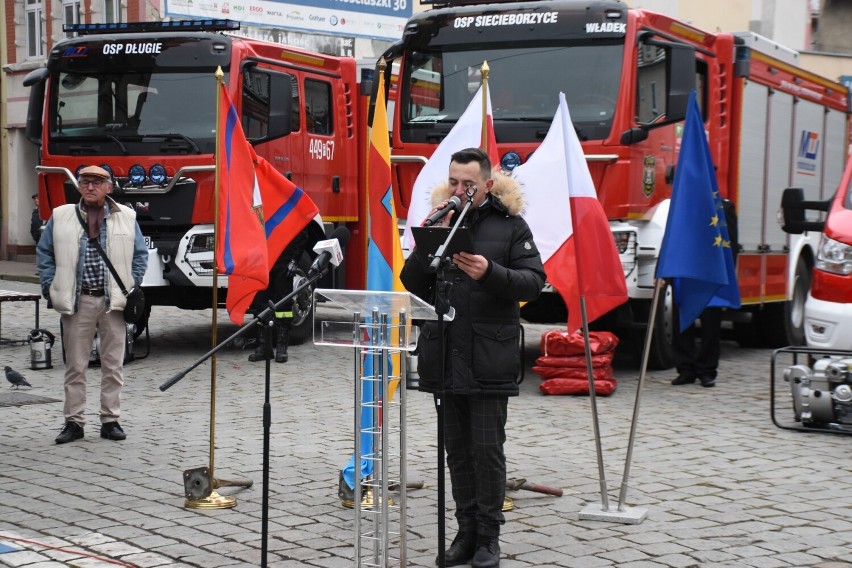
[(524, 84), (140, 113)]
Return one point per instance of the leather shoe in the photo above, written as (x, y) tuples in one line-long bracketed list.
[(461, 550), (112, 431), (487, 553), (70, 432), (683, 380), (707, 383)]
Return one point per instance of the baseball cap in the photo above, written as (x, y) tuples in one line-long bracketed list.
[(96, 171)]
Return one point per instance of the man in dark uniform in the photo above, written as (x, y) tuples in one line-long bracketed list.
[(280, 284), (698, 347)]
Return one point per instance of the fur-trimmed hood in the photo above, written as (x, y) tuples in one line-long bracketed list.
[(505, 189)]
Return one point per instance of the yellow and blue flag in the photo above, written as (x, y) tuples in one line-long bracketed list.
[(384, 250), (384, 262), (696, 252)]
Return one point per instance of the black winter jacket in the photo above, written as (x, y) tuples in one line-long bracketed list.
[(483, 349)]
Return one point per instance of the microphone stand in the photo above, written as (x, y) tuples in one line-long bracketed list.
[(267, 407), (441, 250), (442, 307)]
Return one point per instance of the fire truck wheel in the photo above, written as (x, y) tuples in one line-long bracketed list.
[(661, 355), (784, 323), (303, 312)]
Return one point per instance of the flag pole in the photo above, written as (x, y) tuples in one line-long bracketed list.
[(658, 286), (625, 515), (484, 71), (193, 479), (603, 513), (593, 399)]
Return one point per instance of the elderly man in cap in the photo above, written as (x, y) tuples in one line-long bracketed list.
[(76, 282)]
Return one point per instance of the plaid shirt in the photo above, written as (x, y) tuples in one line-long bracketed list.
[(94, 269)]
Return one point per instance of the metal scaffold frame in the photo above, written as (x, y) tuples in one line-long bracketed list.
[(375, 537)]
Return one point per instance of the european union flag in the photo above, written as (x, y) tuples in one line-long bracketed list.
[(696, 252)]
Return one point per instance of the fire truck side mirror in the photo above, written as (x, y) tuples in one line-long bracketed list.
[(681, 79), (793, 208), (280, 105), (277, 89), (37, 80), (634, 135), (679, 62)]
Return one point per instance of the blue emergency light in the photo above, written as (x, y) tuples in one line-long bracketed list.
[(207, 25)]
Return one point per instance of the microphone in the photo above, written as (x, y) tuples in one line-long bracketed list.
[(453, 205), (329, 251)]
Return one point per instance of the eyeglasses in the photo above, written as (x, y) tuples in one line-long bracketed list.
[(92, 182)]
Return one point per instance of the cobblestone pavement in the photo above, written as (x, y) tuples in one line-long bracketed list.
[(722, 484)]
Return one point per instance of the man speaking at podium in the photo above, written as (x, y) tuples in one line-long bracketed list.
[(481, 345)]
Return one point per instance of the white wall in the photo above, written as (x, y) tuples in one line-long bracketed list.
[(23, 154), (784, 21)]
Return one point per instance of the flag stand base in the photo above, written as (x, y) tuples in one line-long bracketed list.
[(627, 516)]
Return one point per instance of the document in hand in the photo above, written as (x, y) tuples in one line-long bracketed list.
[(430, 239)]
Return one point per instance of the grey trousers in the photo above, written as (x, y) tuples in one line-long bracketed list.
[(78, 333)]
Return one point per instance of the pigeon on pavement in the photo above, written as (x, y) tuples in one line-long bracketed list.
[(16, 378)]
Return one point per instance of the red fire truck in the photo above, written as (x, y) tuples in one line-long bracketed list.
[(626, 75), (140, 100)]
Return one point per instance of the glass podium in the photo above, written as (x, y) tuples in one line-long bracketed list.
[(378, 327)]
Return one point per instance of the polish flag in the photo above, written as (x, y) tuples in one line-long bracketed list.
[(489, 138), (466, 133), (561, 197)]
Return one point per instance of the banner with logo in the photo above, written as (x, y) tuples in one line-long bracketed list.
[(380, 19)]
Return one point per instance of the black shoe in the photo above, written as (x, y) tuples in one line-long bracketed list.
[(683, 380), (262, 350), (70, 432), (261, 353), (487, 553), (112, 431), (707, 383), (461, 550), (345, 493)]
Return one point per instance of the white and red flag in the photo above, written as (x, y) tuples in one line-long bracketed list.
[(569, 225), (466, 133)]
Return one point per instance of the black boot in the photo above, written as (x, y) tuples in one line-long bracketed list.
[(461, 550), (487, 553), (282, 338), (262, 351)]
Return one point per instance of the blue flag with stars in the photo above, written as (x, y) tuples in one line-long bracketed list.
[(696, 252)]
